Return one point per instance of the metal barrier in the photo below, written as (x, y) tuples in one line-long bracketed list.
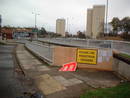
[(121, 46)]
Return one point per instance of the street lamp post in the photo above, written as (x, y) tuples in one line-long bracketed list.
[(67, 26), (35, 14), (107, 16), (0, 26)]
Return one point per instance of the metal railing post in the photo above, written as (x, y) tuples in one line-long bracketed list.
[(112, 44), (88, 43)]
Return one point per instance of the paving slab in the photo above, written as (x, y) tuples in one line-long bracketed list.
[(20, 47), (42, 68), (67, 82), (24, 52), (75, 81), (30, 62), (24, 56), (20, 51), (48, 84), (62, 80), (96, 80), (29, 67)]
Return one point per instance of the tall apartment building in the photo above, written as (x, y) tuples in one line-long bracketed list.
[(60, 27), (89, 22), (95, 21), (0, 20)]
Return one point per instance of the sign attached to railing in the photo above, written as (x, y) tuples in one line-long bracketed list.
[(87, 56)]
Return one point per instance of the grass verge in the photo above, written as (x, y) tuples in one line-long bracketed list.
[(125, 55), (120, 91)]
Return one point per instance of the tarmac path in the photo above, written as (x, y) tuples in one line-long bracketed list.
[(10, 86)]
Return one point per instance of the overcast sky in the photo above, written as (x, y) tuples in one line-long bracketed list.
[(19, 12)]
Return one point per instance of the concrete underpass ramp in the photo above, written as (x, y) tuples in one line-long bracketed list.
[(48, 84), (56, 84), (42, 52)]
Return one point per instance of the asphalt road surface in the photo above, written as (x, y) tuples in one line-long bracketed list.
[(10, 86)]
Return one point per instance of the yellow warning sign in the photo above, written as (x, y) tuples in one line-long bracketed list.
[(88, 56)]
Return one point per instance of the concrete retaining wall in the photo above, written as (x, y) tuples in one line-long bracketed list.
[(63, 55), (121, 68)]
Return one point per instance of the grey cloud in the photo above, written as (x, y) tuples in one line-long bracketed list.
[(19, 12)]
